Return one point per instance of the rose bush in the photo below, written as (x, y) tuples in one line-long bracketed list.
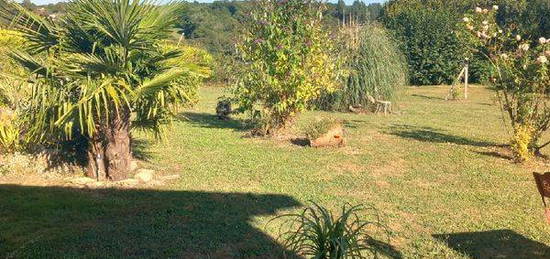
[(521, 78)]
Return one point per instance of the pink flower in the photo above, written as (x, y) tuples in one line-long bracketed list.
[(542, 59), (543, 40)]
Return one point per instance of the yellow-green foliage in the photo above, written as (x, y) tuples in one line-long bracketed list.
[(193, 57), (10, 39), (10, 132), (286, 58), (320, 127), (521, 143), (11, 93)]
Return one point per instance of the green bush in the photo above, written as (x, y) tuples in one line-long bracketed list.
[(320, 126), (285, 52), (317, 233), (374, 67), (13, 94), (427, 36)]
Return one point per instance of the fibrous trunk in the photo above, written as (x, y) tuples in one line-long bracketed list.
[(109, 156)]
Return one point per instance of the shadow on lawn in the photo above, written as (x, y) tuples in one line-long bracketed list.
[(428, 97), (495, 244), (140, 149), (428, 134), (206, 120), (45, 222)]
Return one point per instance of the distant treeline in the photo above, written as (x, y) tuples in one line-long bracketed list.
[(214, 26), (426, 30)]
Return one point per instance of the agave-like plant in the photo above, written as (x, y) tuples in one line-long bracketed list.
[(316, 232), (99, 71)]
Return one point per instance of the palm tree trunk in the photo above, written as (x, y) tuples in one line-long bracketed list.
[(118, 156), (96, 159)]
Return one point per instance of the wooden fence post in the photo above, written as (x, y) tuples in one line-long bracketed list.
[(466, 74)]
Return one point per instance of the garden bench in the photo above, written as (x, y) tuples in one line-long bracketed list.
[(380, 105)]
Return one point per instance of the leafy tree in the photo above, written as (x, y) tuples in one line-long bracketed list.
[(28, 5), (287, 62), (427, 36), (102, 70), (340, 9)]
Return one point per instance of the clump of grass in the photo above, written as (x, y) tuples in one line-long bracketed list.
[(374, 67), (318, 233), (320, 127)]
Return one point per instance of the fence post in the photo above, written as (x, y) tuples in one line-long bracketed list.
[(466, 74)]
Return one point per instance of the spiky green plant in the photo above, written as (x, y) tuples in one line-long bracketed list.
[(374, 67), (317, 233), (99, 71)]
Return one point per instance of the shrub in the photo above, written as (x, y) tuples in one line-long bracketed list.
[(522, 142), (318, 233), (522, 78), (426, 34), (320, 127), (286, 59), (375, 67), (13, 95), (10, 39)]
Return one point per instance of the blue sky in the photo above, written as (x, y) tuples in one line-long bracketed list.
[(41, 2)]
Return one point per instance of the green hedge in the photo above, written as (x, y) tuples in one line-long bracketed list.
[(428, 39)]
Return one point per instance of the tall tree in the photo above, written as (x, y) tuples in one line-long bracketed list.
[(100, 68), (341, 9)]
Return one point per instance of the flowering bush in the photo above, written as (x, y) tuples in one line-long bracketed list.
[(521, 77), (287, 61)]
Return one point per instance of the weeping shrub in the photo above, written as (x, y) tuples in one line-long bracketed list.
[(374, 67)]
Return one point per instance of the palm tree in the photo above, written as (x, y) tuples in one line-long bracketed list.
[(99, 71)]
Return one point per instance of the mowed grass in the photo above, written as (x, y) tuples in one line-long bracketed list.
[(437, 171)]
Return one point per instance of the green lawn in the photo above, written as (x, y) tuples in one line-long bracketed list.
[(438, 172)]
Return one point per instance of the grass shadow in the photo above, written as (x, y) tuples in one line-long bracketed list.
[(354, 124), (303, 142), (428, 134), (47, 222), (495, 244), (495, 154), (140, 149), (206, 120), (384, 248), (428, 97)]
